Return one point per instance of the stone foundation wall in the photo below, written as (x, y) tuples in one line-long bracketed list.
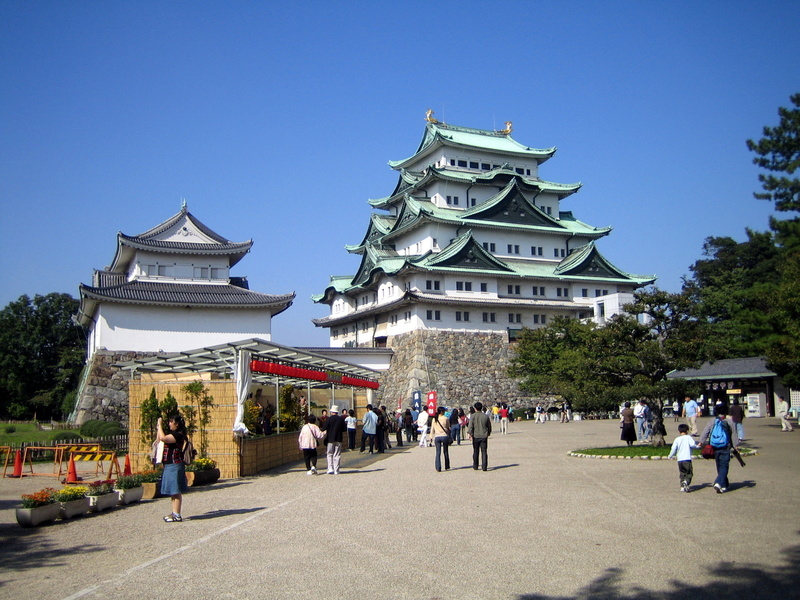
[(104, 392), (462, 367)]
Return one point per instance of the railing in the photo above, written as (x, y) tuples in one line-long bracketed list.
[(117, 443)]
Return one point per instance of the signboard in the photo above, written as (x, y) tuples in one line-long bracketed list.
[(432, 403), (416, 401)]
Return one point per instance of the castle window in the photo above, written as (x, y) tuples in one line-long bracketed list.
[(473, 165), (463, 286), (484, 287), (514, 290), (520, 170), (536, 250), (489, 246), (217, 273), (452, 162), (462, 163), (462, 316), (486, 166), (201, 272), (489, 317), (514, 318), (433, 315), (513, 248), (432, 284), (585, 293)]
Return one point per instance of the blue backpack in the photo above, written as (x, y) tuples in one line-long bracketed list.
[(719, 435)]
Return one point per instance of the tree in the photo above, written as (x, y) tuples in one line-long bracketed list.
[(559, 361), (198, 412), (150, 415), (779, 151), (626, 360), (734, 289), (41, 355)]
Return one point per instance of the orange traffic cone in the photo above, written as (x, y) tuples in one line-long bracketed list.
[(17, 465), (127, 470), (72, 475)]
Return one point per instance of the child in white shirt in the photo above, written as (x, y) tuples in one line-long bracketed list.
[(682, 449)]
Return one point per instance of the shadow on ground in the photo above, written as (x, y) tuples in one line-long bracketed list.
[(732, 581)]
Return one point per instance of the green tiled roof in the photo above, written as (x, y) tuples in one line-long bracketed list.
[(441, 134), (413, 180), (585, 262)]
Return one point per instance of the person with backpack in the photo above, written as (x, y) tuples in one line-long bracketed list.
[(723, 439)]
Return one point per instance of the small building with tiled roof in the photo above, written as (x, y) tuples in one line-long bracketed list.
[(471, 241), (171, 288), (748, 380)]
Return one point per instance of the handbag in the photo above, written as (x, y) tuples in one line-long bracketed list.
[(189, 453), (707, 451), (157, 453)]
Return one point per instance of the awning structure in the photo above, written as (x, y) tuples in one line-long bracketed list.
[(257, 361), (222, 358)]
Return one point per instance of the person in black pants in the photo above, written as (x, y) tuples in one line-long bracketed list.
[(479, 430)]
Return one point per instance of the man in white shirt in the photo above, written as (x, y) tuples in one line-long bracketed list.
[(784, 414), (691, 410), (640, 414)]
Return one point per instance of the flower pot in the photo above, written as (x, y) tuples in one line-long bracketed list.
[(130, 495), (74, 508), (31, 517), (98, 503), (151, 490), (194, 478)]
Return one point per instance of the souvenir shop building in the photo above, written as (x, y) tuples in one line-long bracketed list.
[(747, 379)]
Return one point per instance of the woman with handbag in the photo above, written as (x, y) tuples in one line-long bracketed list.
[(173, 480), (440, 431)]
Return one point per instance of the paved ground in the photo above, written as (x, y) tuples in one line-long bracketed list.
[(538, 525)]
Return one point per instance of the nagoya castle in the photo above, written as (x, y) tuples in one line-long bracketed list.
[(470, 247)]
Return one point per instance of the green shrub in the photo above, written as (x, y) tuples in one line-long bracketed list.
[(66, 436), (10, 429), (110, 429), (89, 429)]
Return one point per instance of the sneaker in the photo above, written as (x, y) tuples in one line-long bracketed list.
[(313, 470), (722, 490), (718, 488), (173, 518), (330, 472), (310, 472), (684, 487)]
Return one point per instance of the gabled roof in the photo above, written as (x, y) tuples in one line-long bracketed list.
[(182, 233), (587, 261), (223, 296), (511, 205), (465, 253), (410, 181), (438, 134), (379, 225)]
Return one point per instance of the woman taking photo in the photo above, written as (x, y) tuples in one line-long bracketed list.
[(173, 480)]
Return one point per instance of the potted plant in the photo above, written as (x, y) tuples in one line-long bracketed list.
[(151, 483), (129, 488), (102, 495), (73, 501), (38, 508), (202, 471)]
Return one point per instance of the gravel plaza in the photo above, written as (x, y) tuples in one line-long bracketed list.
[(538, 525)]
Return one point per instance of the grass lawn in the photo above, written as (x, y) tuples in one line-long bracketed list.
[(636, 451), (27, 433)]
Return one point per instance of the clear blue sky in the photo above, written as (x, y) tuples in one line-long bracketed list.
[(275, 120)]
